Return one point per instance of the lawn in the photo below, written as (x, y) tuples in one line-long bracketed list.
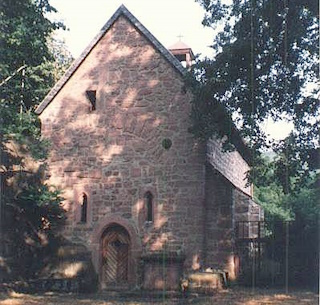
[(236, 296)]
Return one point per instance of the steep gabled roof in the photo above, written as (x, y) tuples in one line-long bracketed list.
[(122, 11)]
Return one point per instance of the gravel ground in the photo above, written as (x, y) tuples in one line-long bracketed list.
[(226, 297)]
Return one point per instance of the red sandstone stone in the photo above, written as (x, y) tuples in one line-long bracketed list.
[(115, 154)]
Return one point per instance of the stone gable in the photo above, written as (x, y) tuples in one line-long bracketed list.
[(118, 124)]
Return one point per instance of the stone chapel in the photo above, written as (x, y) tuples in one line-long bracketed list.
[(145, 198)]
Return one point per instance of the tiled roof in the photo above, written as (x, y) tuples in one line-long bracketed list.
[(181, 48), (121, 11), (178, 46)]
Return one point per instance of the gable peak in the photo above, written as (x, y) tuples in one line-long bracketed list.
[(121, 11)]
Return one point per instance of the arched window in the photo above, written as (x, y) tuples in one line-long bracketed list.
[(148, 198), (84, 208)]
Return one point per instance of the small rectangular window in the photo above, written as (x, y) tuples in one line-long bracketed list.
[(91, 95), (84, 208), (149, 206)]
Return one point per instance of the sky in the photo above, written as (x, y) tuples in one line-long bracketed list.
[(165, 19)]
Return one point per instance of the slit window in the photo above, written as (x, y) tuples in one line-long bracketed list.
[(91, 95), (148, 197), (84, 208)]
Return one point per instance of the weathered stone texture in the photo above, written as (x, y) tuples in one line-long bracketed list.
[(246, 210), (115, 154), (218, 225)]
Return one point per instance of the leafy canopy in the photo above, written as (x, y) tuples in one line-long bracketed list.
[(28, 67), (265, 66), (23, 40), (28, 70)]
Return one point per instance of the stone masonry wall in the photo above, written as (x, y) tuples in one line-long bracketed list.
[(218, 244), (225, 206), (246, 210), (114, 154)]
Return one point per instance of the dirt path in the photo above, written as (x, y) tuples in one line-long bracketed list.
[(228, 297)]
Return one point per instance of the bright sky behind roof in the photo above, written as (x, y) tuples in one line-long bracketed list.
[(165, 19)]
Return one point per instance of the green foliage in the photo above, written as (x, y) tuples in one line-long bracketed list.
[(28, 69), (268, 193), (272, 200), (266, 57), (36, 215), (24, 128), (293, 166), (26, 40), (301, 206), (41, 205), (282, 205), (23, 40), (62, 56), (306, 206)]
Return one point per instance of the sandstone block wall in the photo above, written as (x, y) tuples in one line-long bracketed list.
[(246, 210), (219, 238), (227, 209), (134, 141), (115, 153)]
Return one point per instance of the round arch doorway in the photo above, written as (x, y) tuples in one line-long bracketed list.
[(116, 248)]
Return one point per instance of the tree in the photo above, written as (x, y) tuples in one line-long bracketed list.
[(301, 208), (27, 72), (266, 61), (23, 39)]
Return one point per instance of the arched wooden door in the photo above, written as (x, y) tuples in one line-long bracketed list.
[(115, 256)]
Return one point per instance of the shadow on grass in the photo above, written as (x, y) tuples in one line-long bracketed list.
[(226, 297)]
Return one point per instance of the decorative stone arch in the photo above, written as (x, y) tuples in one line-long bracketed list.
[(135, 245)]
